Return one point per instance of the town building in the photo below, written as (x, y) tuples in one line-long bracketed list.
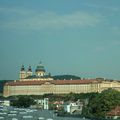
[(114, 113), (4, 103), (41, 83), (41, 104), (73, 107), (40, 74)]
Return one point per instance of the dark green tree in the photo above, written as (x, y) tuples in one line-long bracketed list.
[(66, 77), (100, 104), (23, 101)]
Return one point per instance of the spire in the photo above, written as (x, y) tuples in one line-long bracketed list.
[(29, 69), (29, 72), (22, 73), (22, 68), (40, 63)]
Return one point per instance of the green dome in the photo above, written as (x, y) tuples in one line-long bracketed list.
[(40, 68)]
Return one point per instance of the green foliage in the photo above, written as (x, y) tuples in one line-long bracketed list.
[(66, 77), (75, 96), (23, 101), (103, 102), (68, 97)]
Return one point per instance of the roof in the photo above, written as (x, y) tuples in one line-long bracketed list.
[(35, 76), (56, 82), (22, 68), (40, 67), (114, 112)]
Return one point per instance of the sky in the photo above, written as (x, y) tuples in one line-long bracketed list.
[(77, 37)]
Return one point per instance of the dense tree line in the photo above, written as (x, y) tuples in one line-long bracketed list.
[(66, 77), (26, 101), (23, 101), (101, 103)]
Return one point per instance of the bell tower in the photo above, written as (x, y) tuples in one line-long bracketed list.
[(22, 73), (29, 72)]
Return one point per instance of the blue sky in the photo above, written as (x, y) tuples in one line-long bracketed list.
[(79, 37)]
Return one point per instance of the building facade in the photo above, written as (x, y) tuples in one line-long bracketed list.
[(40, 74), (40, 84)]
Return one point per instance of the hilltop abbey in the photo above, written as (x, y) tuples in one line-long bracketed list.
[(41, 83), (40, 74)]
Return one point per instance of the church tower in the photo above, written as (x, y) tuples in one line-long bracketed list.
[(29, 72), (40, 70), (22, 73)]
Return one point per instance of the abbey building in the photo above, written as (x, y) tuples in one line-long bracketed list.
[(40, 83), (40, 74)]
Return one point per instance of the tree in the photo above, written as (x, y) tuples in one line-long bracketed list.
[(66, 77), (103, 102), (23, 101)]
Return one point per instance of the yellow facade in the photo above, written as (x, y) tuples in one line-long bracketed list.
[(48, 87)]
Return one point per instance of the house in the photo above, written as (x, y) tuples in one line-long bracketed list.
[(41, 103), (4, 103), (114, 113), (73, 107)]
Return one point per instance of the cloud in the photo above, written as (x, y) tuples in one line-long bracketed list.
[(110, 8), (115, 43), (116, 30), (25, 19), (14, 10)]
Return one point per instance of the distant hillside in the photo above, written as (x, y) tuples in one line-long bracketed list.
[(2, 82), (66, 77)]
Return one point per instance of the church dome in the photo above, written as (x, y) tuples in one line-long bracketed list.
[(40, 68)]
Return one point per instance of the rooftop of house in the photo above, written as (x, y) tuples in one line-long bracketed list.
[(114, 112), (55, 82)]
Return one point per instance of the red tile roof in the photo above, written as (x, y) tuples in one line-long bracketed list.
[(56, 82), (62, 82), (114, 112)]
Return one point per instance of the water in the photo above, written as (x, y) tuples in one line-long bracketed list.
[(32, 114)]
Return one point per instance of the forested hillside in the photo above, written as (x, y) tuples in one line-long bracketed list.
[(66, 77)]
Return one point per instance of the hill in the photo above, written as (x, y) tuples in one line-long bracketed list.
[(66, 77)]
